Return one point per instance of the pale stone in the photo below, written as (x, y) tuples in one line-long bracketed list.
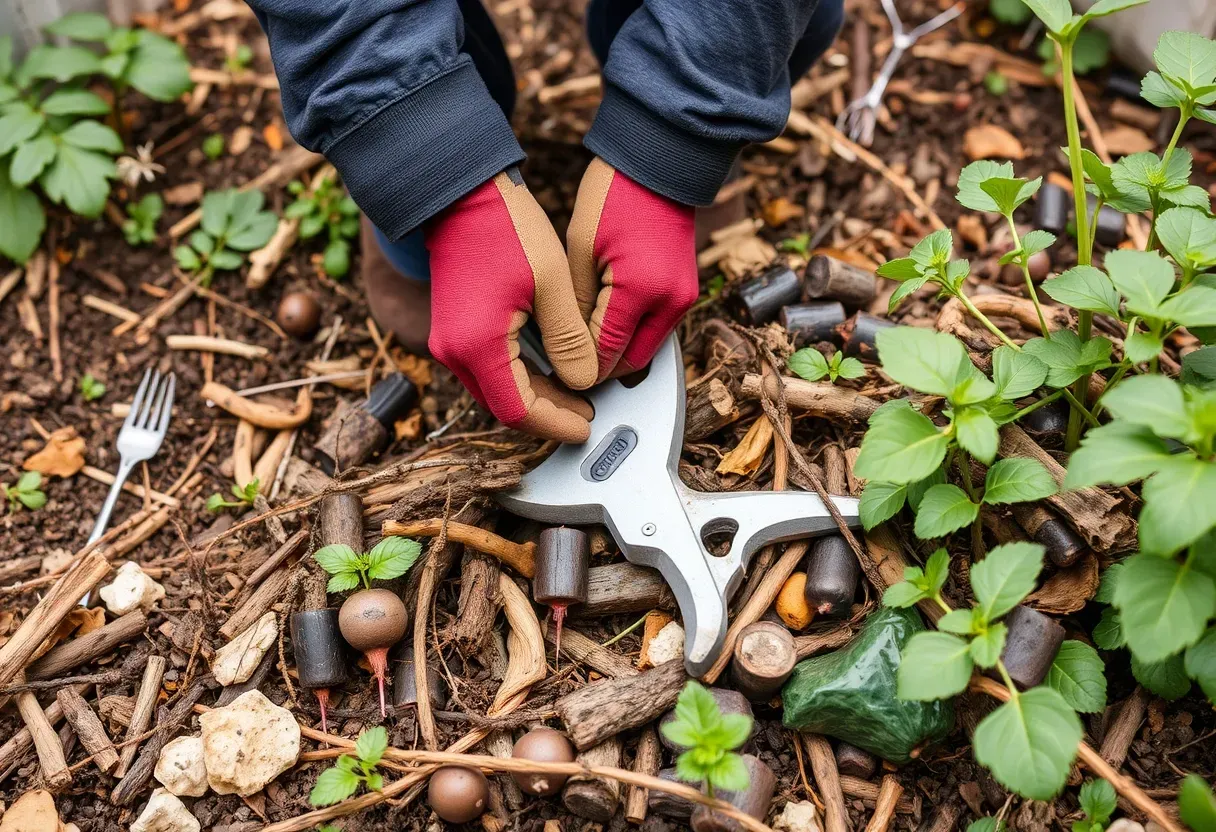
[(798, 817), (1125, 825), (248, 743), (131, 590), (165, 813), (34, 811), (667, 644), (180, 767), (235, 661)]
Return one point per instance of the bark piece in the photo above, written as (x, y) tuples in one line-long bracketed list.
[(587, 651), (46, 742), (884, 809), (827, 277), (764, 658), (591, 797), (710, 408), (605, 709), (1123, 729), (89, 730), (624, 587), (827, 778), (141, 716), (817, 398), (340, 521), (83, 649), (646, 760)]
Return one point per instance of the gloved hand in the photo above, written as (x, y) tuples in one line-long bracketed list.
[(632, 254), (495, 259)]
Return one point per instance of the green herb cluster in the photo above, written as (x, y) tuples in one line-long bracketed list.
[(1098, 802), (140, 228), (233, 223), (711, 738), (326, 208), (349, 772), (26, 492), (390, 558), (244, 497), (810, 364), (90, 388)]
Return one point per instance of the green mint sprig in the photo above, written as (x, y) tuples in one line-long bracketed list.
[(711, 738), (810, 364), (390, 558), (343, 780)]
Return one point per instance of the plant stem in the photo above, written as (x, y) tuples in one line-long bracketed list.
[(1013, 689), (1115, 379), (1183, 118), (1034, 296), (983, 319), (1077, 407), (1030, 408), (945, 607), (964, 470), (1084, 250), (625, 632)]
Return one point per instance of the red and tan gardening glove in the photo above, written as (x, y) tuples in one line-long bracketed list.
[(496, 260), (633, 258)]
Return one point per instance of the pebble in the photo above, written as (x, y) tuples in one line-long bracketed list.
[(131, 589), (248, 743), (235, 661), (667, 645), (798, 817), (180, 767), (165, 813)]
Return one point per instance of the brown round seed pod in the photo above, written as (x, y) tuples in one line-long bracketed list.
[(372, 618), (542, 745), (458, 794), (299, 314)]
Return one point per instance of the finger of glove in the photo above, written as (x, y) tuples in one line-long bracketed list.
[(563, 329), (547, 388), (580, 234), (659, 322)]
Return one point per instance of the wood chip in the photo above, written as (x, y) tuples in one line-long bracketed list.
[(1123, 140), (987, 141)]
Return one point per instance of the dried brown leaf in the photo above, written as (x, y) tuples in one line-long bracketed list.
[(63, 455), (987, 141), (1067, 591), (745, 458)]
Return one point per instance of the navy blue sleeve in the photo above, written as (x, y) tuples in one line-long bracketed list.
[(383, 90), (688, 83)]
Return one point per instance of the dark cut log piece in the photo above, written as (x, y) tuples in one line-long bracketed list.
[(764, 658), (1030, 646), (859, 335), (810, 323), (760, 299), (753, 801), (827, 277)]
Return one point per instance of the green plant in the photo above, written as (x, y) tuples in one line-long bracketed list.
[(140, 227), (240, 58), (90, 388), (810, 364), (326, 208), (1196, 804), (233, 222), (1098, 802), (711, 738), (1012, 12), (1091, 52), (800, 245), (348, 772), (996, 83), (213, 146), (390, 558), (244, 497), (25, 492)]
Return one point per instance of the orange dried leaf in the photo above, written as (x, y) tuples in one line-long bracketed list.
[(273, 136), (745, 458), (780, 211), (63, 455), (987, 141)]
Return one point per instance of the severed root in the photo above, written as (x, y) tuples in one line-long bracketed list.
[(258, 413)]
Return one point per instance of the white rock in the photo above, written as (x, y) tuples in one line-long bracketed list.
[(180, 767), (248, 743), (235, 661), (667, 644), (131, 590), (165, 813), (798, 817), (1125, 825)]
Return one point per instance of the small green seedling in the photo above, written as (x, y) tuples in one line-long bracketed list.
[(711, 738), (343, 780), (810, 364), (233, 222), (244, 497), (240, 59), (213, 146), (26, 492), (800, 245), (390, 558), (90, 388), (327, 209), (140, 228), (996, 83), (1098, 802)]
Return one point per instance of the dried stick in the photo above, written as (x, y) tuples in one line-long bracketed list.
[(88, 729), (884, 807), (605, 709), (140, 771), (1092, 760), (1123, 730), (109, 308), (259, 413), (53, 315), (207, 343), (133, 488), (647, 761), (46, 742), (141, 715), (587, 651), (265, 260), (519, 556), (868, 792), (72, 654), (816, 398), (823, 764)]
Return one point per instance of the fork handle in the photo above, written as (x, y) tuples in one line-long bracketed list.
[(103, 518)]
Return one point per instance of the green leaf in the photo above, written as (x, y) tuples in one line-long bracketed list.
[(1035, 241), (1152, 401), (1055, 14), (728, 774), (1199, 367), (1078, 674), (337, 557), (79, 179), (902, 594), (1117, 453), (67, 102), (22, 220), (1104, 7), (215, 207), (933, 665), (29, 481), (18, 124), (1098, 799), (904, 268), (392, 557), (1086, 288), (371, 745), (917, 490), (961, 622), (226, 260), (1007, 575), (1164, 606), (1108, 582), (923, 359), (881, 501), (1029, 743), (88, 26), (1008, 194), (1189, 236), (92, 135), (1142, 347), (987, 824), (1187, 58), (60, 63), (333, 786), (850, 368), (1200, 662), (1196, 805), (1166, 678), (933, 252), (1193, 306), (987, 646), (187, 259), (254, 233), (1018, 480), (31, 159), (202, 242), (1108, 632), (1143, 277), (158, 68), (1067, 357), (808, 363), (944, 509), (901, 445), (1091, 50), (1160, 92), (343, 582), (1177, 505), (977, 433), (32, 500), (971, 193)]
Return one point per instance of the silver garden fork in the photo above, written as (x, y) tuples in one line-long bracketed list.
[(140, 438), (858, 119)]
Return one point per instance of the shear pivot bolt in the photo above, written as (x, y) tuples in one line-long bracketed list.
[(648, 529)]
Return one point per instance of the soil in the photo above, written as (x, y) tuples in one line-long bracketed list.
[(923, 139)]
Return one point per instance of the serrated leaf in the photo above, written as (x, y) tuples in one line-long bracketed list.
[(1200, 663), (1055, 14), (903, 268), (1108, 632), (1078, 674), (901, 445), (333, 786), (1166, 678), (1161, 92), (923, 359), (1029, 743), (31, 159), (1153, 401), (916, 490), (728, 774), (1035, 241), (1067, 357), (1104, 7), (87, 26), (1164, 606), (1199, 367), (1143, 277), (392, 557), (849, 368), (342, 582), (1008, 194), (960, 622), (933, 665), (987, 646), (79, 179), (158, 68), (1018, 480), (902, 594), (1189, 236), (1177, 505), (808, 363), (1086, 288), (944, 509), (60, 63), (371, 745), (970, 191), (880, 501), (18, 124), (1193, 306), (1016, 374), (1186, 57), (336, 558), (933, 252), (1117, 453), (1005, 576), (977, 433)]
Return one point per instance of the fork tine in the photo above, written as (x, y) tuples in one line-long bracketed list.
[(152, 411), (138, 401), (162, 424)]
